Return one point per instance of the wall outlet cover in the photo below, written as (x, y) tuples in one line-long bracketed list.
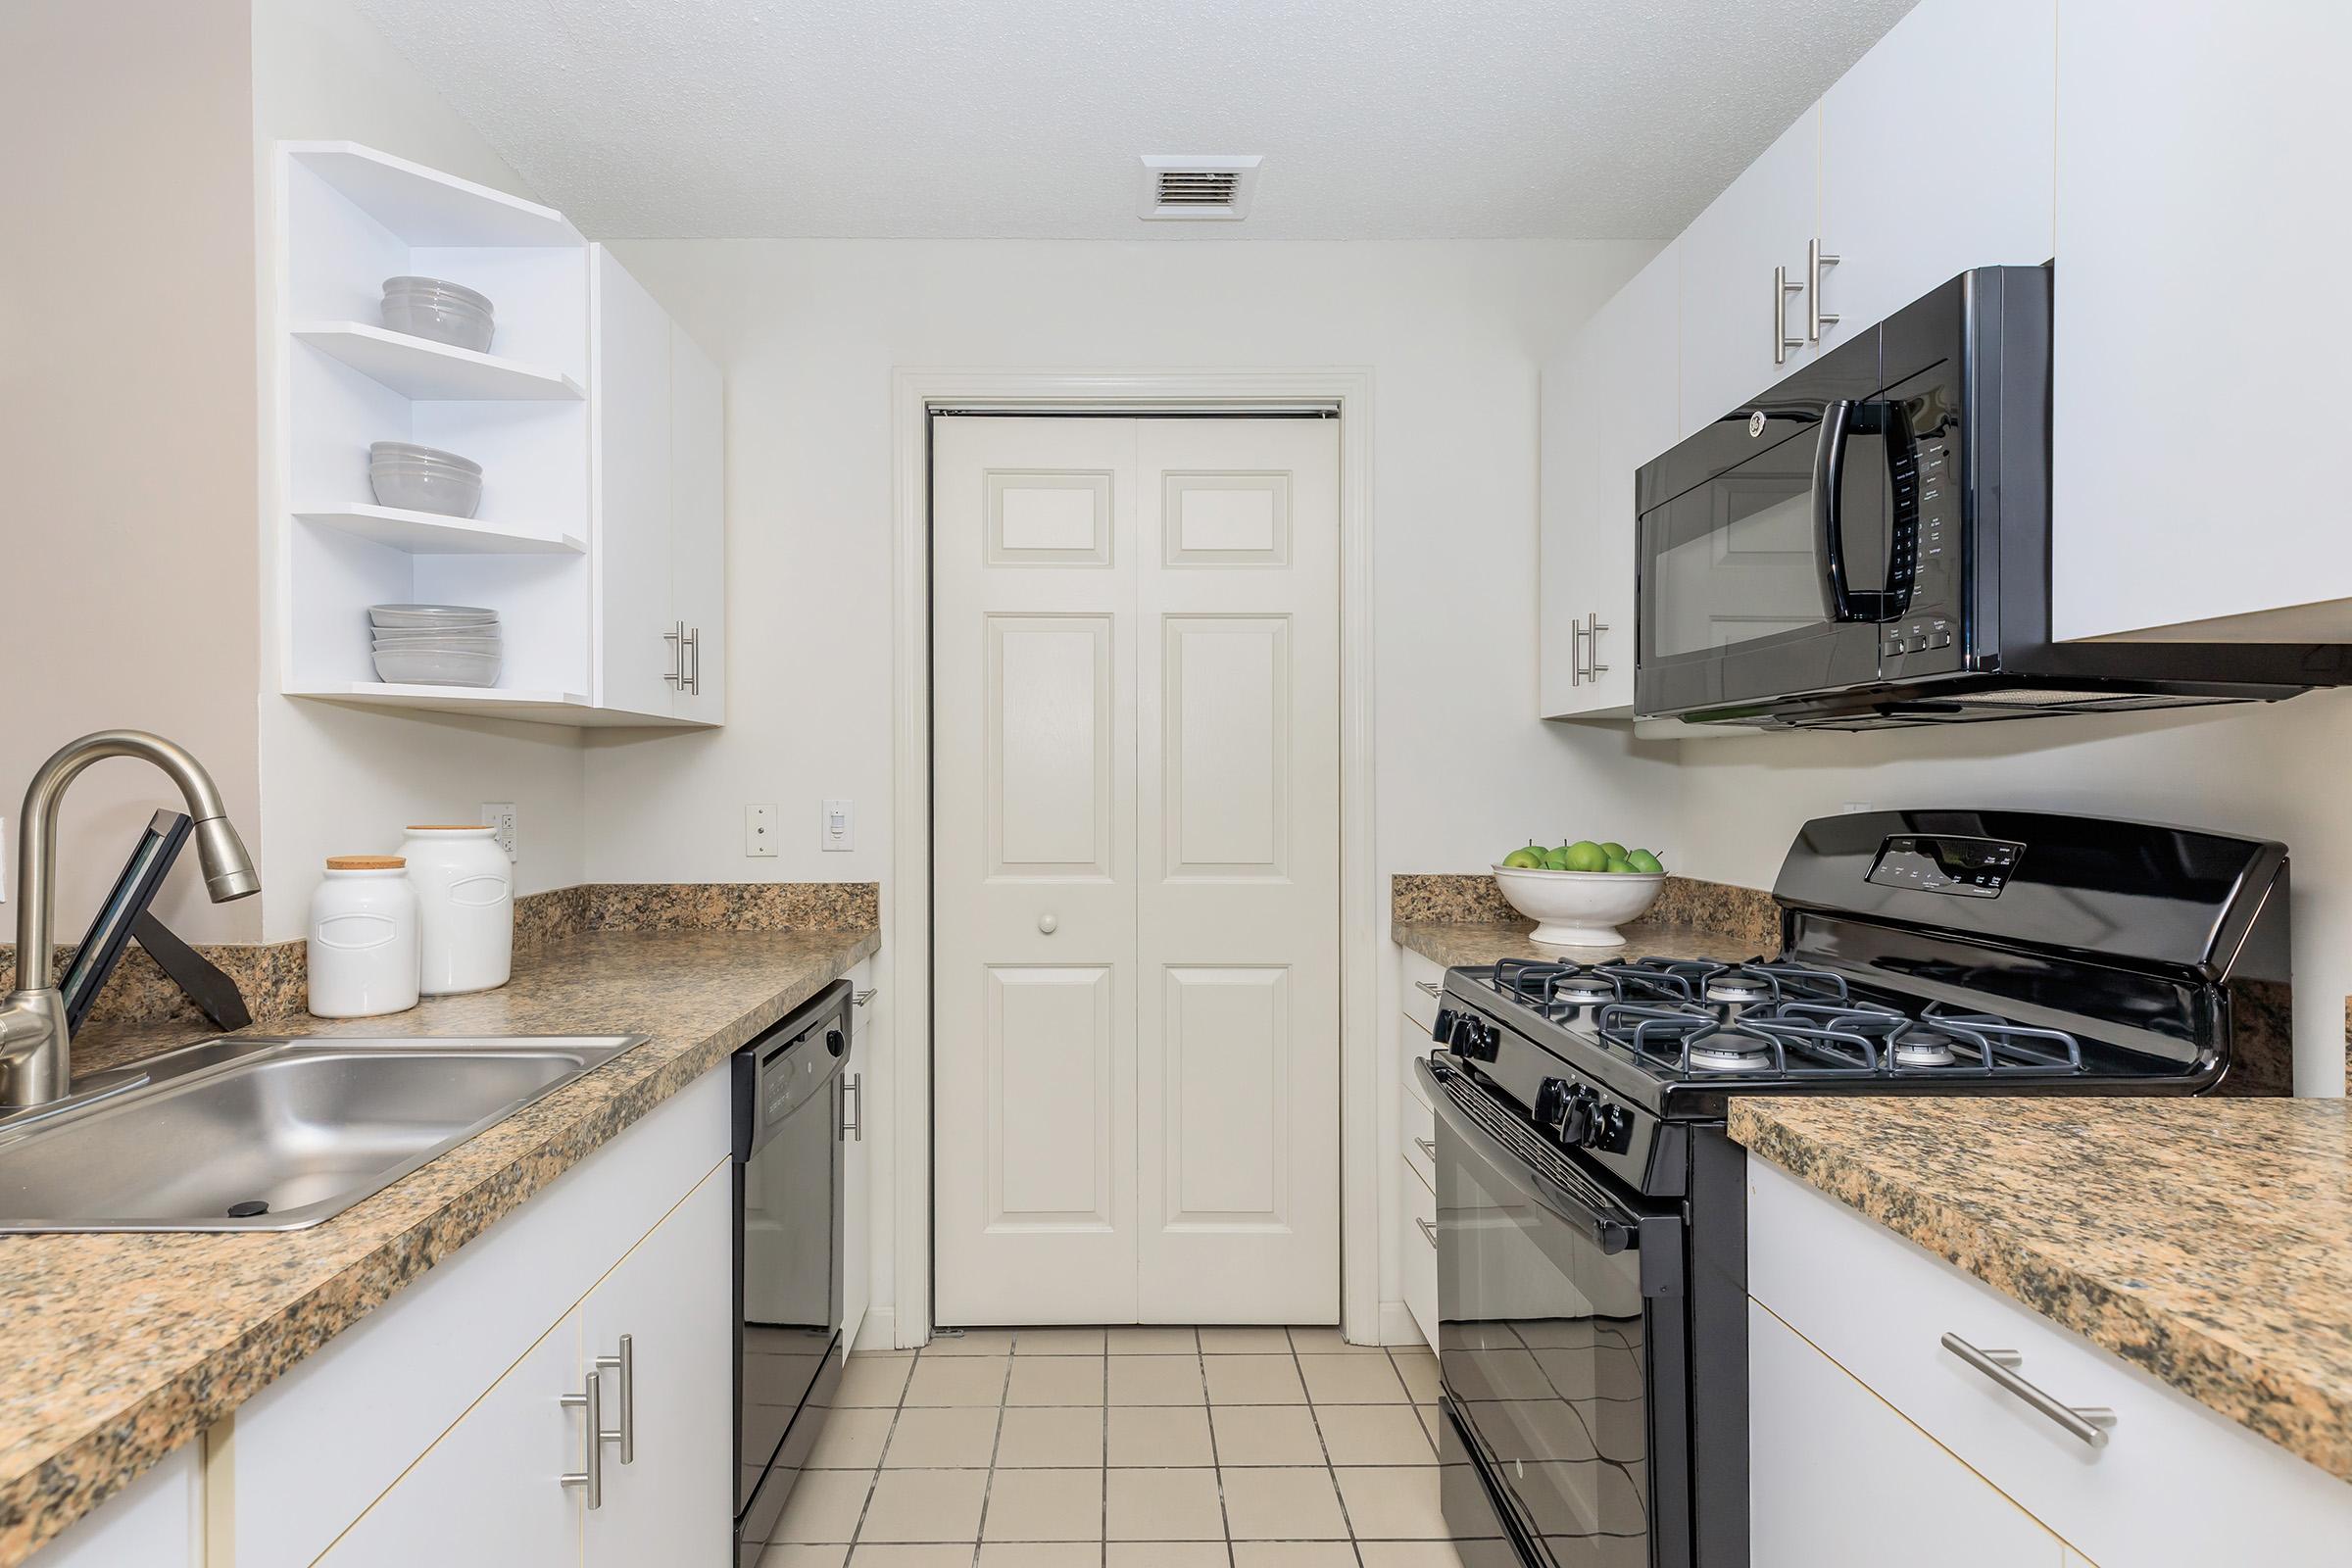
[(501, 815), (837, 829), (760, 831)]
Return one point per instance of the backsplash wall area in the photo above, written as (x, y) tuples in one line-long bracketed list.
[(2274, 771)]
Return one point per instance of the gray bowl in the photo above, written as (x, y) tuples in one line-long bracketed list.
[(442, 617), (438, 311), (421, 479), (437, 668)]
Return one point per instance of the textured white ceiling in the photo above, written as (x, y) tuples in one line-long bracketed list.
[(1378, 118)]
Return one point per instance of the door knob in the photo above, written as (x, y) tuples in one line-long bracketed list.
[(1048, 924)]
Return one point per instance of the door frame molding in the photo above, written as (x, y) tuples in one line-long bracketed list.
[(907, 912)]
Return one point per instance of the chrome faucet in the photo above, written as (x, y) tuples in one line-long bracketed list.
[(35, 1045)]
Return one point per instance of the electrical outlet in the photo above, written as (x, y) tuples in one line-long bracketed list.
[(760, 831), (499, 814), (837, 831)]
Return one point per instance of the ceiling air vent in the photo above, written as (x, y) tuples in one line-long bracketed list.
[(1198, 189)]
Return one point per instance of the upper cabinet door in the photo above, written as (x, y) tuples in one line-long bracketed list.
[(1763, 221), (636, 656), (698, 525), (1608, 407), (2201, 284), (1937, 151)]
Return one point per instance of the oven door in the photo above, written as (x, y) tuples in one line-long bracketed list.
[(1562, 1343), (1766, 551)]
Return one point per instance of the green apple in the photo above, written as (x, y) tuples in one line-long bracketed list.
[(1612, 849), (1584, 855), (1644, 861), (1530, 858)]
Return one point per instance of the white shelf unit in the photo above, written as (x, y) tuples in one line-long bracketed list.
[(348, 217)]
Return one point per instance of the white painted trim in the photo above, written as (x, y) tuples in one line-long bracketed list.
[(1398, 1327), (906, 914)]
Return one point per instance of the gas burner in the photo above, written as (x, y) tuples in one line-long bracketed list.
[(1740, 988), (1728, 1051), (1924, 1048), (1583, 988)]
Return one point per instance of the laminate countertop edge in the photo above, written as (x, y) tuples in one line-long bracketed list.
[(117, 1349), (2235, 1295)]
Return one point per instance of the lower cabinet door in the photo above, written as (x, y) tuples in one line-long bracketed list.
[(671, 1500), (488, 1495), (870, 1044), (1838, 1479)]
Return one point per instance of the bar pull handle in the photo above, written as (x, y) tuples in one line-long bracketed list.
[(1426, 1147), (676, 638), (1594, 627), (1576, 652), (1782, 342), (590, 1402), (2089, 1424), (1430, 988), (1429, 1232), (852, 1108), (689, 661), (860, 998), (624, 1365), (1815, 317)]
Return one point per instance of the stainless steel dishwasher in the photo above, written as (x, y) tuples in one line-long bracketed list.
[(789, 1131)]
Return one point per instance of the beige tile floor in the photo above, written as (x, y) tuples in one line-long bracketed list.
[(1126, 1448)]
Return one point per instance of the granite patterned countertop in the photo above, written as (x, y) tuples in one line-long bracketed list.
[(114, 1349), (1461, 942), (2206, 1241)]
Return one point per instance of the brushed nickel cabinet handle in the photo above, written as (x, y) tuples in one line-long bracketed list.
[(852, 1108), (624, 1365), (860, 998), (1576, 652), (2088, 1423), (1815, 317), (1594, 667), (676, 638), (1429, 1232), (1782, 342), (1426, 1147), (689, 661), (1431, 988), (590, 1402)]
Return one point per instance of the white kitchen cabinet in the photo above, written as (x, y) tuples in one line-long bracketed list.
[(660, 509), (1608, 407), (698, 546), (2199, 292), (869, 1043), (1728, 310), (2176, 1484), (1813, 1431), (487, 1496), (1935, 157), (156, 1522), (671, 1501)]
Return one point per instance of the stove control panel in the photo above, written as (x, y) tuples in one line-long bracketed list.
[(1584, 1118), (1941, 862), (1466, 1035)]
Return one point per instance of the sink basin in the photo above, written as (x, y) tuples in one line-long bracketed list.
[(267, 1133)]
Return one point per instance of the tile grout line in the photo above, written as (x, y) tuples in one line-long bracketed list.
[(1331, 1471), (1216, 1461)]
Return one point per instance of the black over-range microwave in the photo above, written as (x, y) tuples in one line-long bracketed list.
[(1867, 545)]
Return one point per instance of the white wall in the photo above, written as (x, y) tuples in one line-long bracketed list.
[(2271, 771), (339, 780), (125, 425), (808, 333)]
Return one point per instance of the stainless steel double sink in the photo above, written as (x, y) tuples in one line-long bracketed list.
[(267, 1133)]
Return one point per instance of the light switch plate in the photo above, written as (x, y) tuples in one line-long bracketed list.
[(499, 814), (837, 829), (760, 831)]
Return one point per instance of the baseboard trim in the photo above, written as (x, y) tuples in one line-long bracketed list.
[(879, 1331), (1397, 1325)]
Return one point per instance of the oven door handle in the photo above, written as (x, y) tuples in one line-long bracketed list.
[(1608, 1231)]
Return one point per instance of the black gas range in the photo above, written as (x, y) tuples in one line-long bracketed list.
[(1591, 1214)]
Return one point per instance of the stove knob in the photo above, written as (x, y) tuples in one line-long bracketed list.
[(1612, 1129), (1576, 1125), (1442, 1031), (1552, 1100)]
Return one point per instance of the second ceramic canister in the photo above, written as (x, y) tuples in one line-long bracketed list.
[(466, 907)]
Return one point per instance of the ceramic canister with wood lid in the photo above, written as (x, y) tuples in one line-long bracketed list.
[(363, 954), (466, 907)]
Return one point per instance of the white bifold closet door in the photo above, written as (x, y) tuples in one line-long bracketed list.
[(1135, 780)]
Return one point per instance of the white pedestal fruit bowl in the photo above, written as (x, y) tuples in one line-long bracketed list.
[(1578, 909)]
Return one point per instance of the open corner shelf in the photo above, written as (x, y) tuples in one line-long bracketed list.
[(568, 709), (421, 205), (430, 533), (416, 367)]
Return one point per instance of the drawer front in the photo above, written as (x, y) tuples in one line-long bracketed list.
[(1419, 1139), (2175, 1483), (1415, 974), (1419, 1250)]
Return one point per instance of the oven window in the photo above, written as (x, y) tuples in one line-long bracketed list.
[(1543, 1350)]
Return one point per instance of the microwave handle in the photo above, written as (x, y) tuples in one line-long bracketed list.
[(1829, 521)]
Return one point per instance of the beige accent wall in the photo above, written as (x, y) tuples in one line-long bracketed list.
[(126, 421)]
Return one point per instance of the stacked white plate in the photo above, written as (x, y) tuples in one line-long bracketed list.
[(435, 645)]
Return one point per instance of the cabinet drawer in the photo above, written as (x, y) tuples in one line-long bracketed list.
[(1419, 1136), (2176, 1483), (1419, 1250), (1413, 974)]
